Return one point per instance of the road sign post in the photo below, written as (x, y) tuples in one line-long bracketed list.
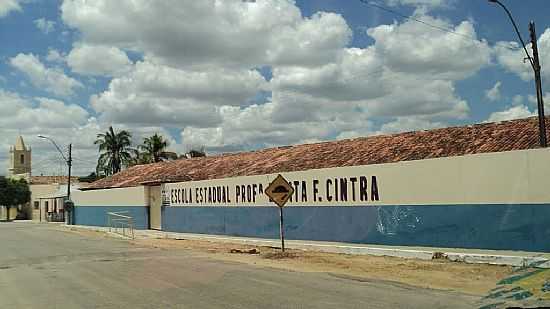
[(281, 229), (279, 191)]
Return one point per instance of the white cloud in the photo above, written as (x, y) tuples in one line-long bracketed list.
[(98, 60), (19, 112), (517, 100), (413, 97), (52, 80), (512, 57), (199, 70), (396, 76), (44, 25), (153, 93), (55, 56), (62, 121), (424, 4), (231, 32), (8, 6), (514, 112), (253, 127), (545, 98), (410, 47), (493, 94), (358, 74)]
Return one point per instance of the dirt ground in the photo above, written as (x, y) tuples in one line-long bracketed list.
[(475, 279)]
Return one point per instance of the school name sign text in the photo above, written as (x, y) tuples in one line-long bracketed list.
[(250, 191)]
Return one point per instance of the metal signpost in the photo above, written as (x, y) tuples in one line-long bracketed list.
[(279, 191)]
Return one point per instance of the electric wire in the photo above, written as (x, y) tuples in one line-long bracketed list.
[(440, 28)]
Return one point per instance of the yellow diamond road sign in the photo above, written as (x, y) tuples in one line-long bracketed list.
[(279, 191)]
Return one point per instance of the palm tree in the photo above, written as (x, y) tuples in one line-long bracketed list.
[(139, 157), (115, 151), (154, 148)]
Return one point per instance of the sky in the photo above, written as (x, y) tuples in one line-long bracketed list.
[(237, 75)]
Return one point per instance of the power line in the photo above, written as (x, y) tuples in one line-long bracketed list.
[(85, 161), (440, 28)]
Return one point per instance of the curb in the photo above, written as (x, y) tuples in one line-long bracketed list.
[(530, 260)]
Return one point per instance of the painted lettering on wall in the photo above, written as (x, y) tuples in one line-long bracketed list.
[(249, 191)]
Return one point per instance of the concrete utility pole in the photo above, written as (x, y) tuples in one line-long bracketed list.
[(536, 67), (538, 85), (69, 164)]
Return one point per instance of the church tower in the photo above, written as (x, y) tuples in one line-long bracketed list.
[(20, 159)]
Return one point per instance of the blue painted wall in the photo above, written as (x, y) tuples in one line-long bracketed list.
[(511, 227), (97, 215)]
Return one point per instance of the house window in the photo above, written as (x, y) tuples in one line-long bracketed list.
[(22, 159), (36, 204), (46, 206)]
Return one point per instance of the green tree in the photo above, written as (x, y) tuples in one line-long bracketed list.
[(13, 193), (154, 148), (139, 157), (115, 151)]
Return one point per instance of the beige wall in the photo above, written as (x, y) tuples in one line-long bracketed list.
[(155, 203), (38, 191), (516, 177), (134, 196)]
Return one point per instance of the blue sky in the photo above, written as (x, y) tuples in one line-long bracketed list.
[(233, 75)]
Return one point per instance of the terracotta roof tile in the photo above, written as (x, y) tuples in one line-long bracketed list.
[(455, 141), (46, 180)]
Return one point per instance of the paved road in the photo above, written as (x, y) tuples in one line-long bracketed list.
[(44, 267)]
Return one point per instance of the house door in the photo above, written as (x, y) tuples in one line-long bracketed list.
[(155, 204)]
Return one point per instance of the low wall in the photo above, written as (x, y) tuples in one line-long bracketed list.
[(4, 213), (97, 215), (486, 201), (91, 207)]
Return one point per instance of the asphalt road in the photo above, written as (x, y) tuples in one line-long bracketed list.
[(44, 267)]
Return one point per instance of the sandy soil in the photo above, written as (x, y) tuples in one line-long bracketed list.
[(475, 279)]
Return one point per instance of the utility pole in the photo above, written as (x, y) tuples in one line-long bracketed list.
[(534, 61), (538, 85), (69, 164)]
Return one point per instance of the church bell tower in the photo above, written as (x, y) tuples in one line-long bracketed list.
[(20, 159)]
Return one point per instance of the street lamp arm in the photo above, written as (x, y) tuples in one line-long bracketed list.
[(517, 31), (57, 147)]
